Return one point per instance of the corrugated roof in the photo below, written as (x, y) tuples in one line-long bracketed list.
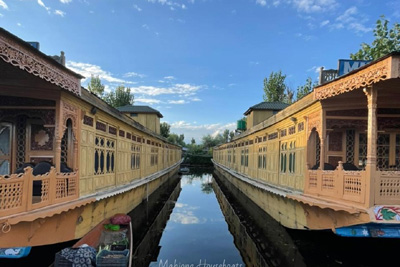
[(267, 106), (139, 109)]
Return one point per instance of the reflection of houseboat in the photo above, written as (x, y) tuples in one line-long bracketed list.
[(351, 125), (84, 159)]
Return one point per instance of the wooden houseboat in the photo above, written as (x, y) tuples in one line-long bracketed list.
[(331, 160), (67, 159)]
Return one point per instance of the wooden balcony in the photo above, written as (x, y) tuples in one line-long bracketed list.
[(341, 185), (387, 191), (17, 190)]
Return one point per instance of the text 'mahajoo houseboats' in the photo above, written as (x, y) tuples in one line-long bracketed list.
[(351, 124), (67, 159)]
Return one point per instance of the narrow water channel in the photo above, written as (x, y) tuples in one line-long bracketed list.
[(197, 233)]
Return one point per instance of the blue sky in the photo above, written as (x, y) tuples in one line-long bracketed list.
[(201, 63)]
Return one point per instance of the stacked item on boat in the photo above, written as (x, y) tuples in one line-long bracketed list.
[(108, 244)]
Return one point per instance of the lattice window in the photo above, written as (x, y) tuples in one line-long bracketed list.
[(283, 156), (390, 188), (397, 157), (328, 182), (352, 185), (382, 152), (317, 150), (362, 150), (350, 142), (64, 147), (21, 140), (11, 195), (313, 180), (104, 155)]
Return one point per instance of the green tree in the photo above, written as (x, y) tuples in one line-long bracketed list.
[(95, 86), (225, 135), (274, 87), (231, 135), (193, 141), (386, 41), (121, 97), (305, 89), (164, 129), (177, 139)]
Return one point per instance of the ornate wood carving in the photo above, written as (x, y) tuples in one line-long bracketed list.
[(68, 111), (377, 72), (346, 124), (15, 54), (314, 121)]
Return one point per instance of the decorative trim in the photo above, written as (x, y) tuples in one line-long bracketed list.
[(373, 74), (68, 111), (15, 54)]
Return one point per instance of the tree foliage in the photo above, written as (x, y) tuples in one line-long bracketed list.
[(164, 129), (275, 88), (95, 86), (305, 89), (177, 139), (120, 97), (386, 41)]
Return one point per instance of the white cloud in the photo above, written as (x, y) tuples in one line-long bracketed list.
[(3, 4), (65, 1), (137, 8), (180, 89), (87, 70), (325, 22), (59, 12), (311, 6), (147, 100), (196, 99), (305, 36), (1, 15), (261, 2), (177, 102), (170, 4), (169, 78), (40, 2), (134, 74), (145, 26), (351, 20), (193, 130), (19, 24)]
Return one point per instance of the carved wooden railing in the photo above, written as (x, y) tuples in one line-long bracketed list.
[(387, 190), (348, 186), (17, 190)]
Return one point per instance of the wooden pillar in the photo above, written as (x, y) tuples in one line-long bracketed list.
[(372, 134), (322, 140)]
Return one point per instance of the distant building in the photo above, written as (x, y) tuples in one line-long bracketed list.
[(145, 115), (262, 111)]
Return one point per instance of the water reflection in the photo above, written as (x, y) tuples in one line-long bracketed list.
[(197, 233), (147, 249), (260, 239)]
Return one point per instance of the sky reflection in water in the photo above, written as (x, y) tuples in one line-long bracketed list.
[(197, 230)]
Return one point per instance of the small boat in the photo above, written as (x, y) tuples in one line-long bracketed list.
[(15, 252), (107, 244), (183, 170)]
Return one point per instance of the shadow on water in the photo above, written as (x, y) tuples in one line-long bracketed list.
[(257, 235)]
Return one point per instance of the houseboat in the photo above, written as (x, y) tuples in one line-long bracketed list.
[(67, 159), (331, 160)]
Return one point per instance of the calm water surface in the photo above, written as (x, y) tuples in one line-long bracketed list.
[(197, 232)]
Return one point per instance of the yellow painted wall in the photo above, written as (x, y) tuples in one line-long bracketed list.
[(272, 174), (123, 173)]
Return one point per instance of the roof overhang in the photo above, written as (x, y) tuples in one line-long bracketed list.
[(385, 68), (21, 54)]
